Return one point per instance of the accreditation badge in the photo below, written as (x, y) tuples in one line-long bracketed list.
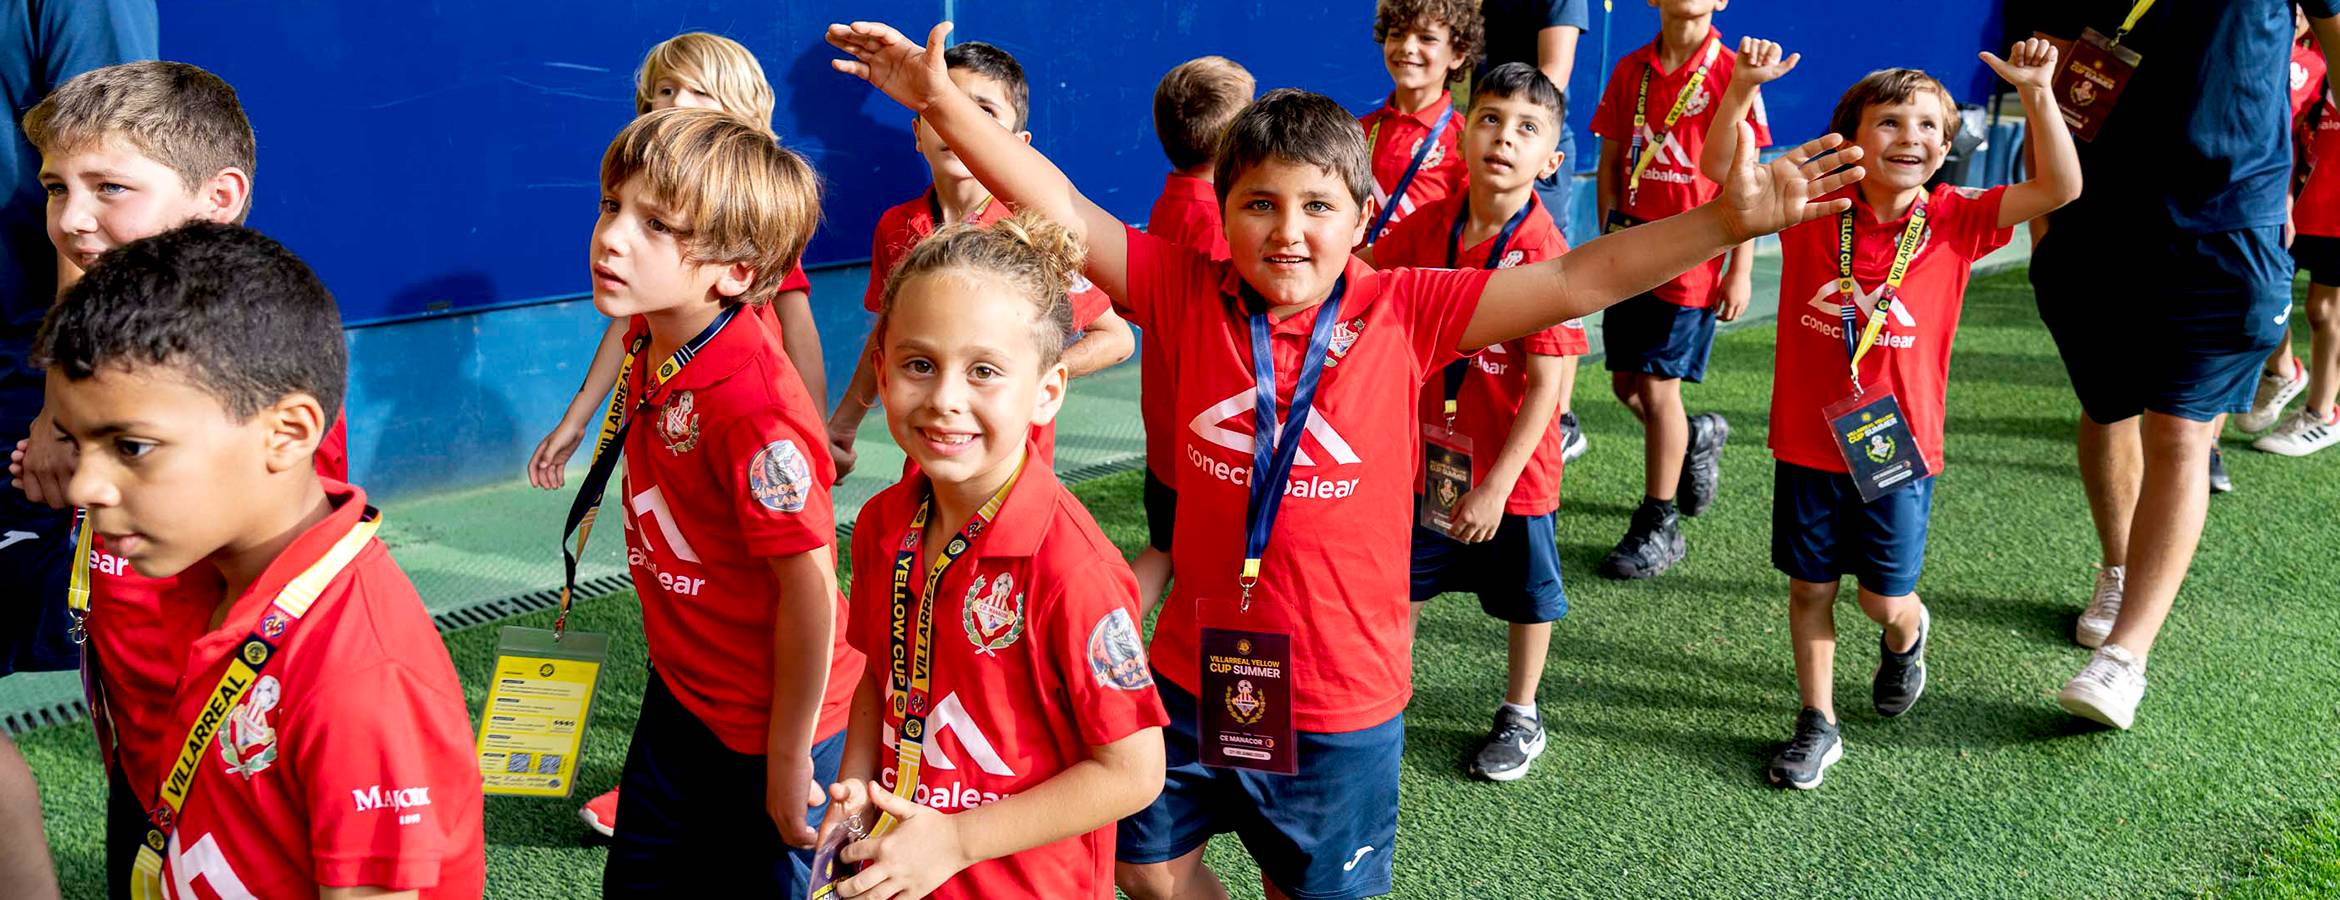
[(537, 704), (1246, 701), (2089, 82), (1618, 221), (827, 869), (1878, 447), (1446, 477)]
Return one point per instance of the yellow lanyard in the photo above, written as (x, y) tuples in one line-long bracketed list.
[(251, 656), (913, 665), (1649, 152), (2136, 11), (1913, 237)]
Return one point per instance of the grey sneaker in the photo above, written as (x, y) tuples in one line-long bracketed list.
[(1702, 463), (2220, 483), (1901, 677), (1510, 748), (1805, 760), (2275, 392), (1651, 545), (1573, 441)]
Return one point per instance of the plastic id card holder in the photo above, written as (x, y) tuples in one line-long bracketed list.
[(537, 705), (1246, 701), (1446, 477), (1877, 445), (2094, 73)]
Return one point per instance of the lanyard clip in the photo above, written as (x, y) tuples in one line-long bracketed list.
[(79, 630), (1247, 580)]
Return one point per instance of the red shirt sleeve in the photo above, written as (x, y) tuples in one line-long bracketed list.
[(1438, 303), (796, 281), (1972, 222), (1161, 275), (1088, 302), (378, 745), (776, 484), (1613, 118), (1092, 637)]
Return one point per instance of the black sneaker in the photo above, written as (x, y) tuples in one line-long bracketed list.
[(1573, 443), (1702, 463), (1901, 677), (2219, 482), (1652, 544), (1510, 748), (1806, 759)]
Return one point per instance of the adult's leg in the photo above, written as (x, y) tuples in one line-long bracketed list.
[(2167, 526), (1184, 878), (2111, 467)]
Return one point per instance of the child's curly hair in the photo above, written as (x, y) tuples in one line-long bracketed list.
[(1465, 29)]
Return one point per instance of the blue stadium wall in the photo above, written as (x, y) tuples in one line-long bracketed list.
[(437, 162)]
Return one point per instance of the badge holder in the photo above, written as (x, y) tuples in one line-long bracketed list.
[(2095, 71), (1446, 477), (827, 869), (538, 703), (1246, 701), (1878, 448)]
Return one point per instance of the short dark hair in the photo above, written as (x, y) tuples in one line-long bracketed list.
[(1296, 126), (244, 318), (1518, 79), (998, 65), (1193, 104)]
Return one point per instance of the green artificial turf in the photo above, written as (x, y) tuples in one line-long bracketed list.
[(1664, 698)]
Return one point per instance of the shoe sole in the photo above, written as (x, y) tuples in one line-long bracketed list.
[(1518, 772), (2291, 450), (1818, 775), (594, 822), (2083, 704), (2085, 637)]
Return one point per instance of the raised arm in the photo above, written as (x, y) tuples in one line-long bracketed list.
[(1755, 201), (1760, 63), (2055, 169), (1014, 172)]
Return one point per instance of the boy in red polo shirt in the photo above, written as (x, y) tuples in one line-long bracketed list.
[(1863, 360), (1492, 458), (1192, 106), (726, 508), (1283, 655), (1018, 720), (1101, 341), (319, 741), (1654, 121), (2315, 216), (1415, 135)]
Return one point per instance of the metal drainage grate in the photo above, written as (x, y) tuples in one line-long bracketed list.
[(65, 713)]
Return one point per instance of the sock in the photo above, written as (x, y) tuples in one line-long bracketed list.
[(1528, 711), (1662, 506)]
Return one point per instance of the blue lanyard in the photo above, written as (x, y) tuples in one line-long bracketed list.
[(1271, 464), (1455, 371), (1381, 219)]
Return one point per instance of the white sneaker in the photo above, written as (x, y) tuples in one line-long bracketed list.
[(2097, 620), (2303, 432), (2275, 392), (2108, 689)]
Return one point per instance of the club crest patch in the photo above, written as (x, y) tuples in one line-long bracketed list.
[(247, 743), (779, 477), (1244, 703), (1344, 336), (1512, 259), (678, 423), (1437, 152), (993, 616), (1697, 102), (1116, 656)]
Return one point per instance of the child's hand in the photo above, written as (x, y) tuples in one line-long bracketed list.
[(921, 852), (847, 799), (1478, 513), (841, 452), (2031, 63), (789, 791), (548, 466), (1766, 199), (1760, 62), (42, 466), (1731, 297), (885, 58)]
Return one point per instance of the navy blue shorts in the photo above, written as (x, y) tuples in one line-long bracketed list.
[(691, 817), (1516, 573), (2172, 323), (36, 556), (1324, 834), (1161, 512), (1653, 337), (1821, 531)]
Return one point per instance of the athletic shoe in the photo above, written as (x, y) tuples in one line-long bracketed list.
[(1652, 544), (1901, 677), (1510, 748), (2302, 433), (2220, 483), (600, 813), (2275, 392), (2096, 621), (2107, 689), (1573, 442), (1806, 759), (1702, 463)]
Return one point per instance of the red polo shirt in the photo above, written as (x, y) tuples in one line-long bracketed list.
[(1912, 353), (1335, 572), (727, 468), (1393, 136), (1037, 658), (1186, 214), (1672, 183)]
